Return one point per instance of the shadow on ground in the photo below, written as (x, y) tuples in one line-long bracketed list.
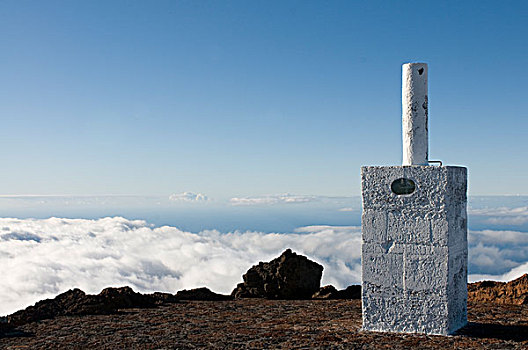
[(11, 332), (495, 331)]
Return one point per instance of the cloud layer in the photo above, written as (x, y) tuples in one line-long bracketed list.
[(497, 255), (502, 216), (41, 258), (188, 197), (285, 198)]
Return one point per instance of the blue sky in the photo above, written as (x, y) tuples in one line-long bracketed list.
[(248, 98)]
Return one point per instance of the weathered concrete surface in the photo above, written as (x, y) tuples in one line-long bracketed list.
[(414, 251), (414, 114)]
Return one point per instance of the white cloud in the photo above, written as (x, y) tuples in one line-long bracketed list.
[(498, 237), (273, 199), (45, 257), (505, 277), (502, 216), (41, 258), (347, 209), (188, 197), (500, 255)]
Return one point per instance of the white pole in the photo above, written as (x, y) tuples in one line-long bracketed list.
[(414, 114)]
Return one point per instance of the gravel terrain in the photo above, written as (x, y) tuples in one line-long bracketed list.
[(261, 324)]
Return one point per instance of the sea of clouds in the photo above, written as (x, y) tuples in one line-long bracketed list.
[(43, 257)]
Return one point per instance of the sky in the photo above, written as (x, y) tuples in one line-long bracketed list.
[(251, 98)]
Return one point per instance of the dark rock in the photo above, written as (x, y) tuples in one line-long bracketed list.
[(201, 294), (76, 302), (109, 301), (330, 292), (163, 298), (326, 292), (48, 308), (289, 276), (351, 292)]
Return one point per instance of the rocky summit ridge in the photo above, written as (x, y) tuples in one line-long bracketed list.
[(512, 292)]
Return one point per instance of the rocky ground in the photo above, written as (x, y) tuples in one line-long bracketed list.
[(119, 318), (261, 324)]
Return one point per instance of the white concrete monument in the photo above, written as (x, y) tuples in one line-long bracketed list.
[(414, 250)]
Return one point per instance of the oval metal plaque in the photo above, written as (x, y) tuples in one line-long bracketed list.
[(403, 186)]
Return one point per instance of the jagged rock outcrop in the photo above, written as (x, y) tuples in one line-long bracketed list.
[(290, 276), (201, 294), (330, 292), (76, 302), (513, 292)]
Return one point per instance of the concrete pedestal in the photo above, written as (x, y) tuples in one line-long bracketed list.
[(414, 251)]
